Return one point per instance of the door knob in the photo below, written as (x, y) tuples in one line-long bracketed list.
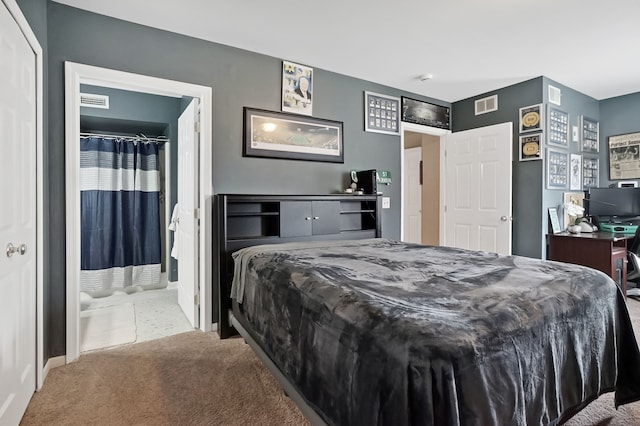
[(11, 249), (22, 249), (504, 218)]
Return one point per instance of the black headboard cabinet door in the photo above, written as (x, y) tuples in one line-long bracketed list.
[(248, 220)]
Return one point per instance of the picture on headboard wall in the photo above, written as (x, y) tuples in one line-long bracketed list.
[(297, 88), (280, 135)]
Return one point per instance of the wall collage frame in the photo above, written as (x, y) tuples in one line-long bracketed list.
[(546, 134)]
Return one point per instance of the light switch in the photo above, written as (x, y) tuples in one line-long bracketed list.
[(574, 133), (386, 202)]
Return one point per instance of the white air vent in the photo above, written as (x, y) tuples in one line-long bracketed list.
[(487, 104), (555, 95), (94, 101)]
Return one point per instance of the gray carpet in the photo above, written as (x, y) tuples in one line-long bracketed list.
[(196, 379)]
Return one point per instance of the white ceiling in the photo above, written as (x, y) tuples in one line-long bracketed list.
[(469, 46)]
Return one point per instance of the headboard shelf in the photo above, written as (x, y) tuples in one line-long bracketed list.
[(248, 220)]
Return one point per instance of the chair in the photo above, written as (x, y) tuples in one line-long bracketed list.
[(633, 265)]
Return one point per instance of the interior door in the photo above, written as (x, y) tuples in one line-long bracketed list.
[(188, 226), (412, 196), (17, 220), (477, 189)]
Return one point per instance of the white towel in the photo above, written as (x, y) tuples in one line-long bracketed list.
[(174, 226)]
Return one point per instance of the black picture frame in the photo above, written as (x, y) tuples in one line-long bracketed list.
[(381, 113), (425, 113), (274, 134)]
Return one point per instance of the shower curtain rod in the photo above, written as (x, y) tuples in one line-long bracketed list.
[(142, 138)]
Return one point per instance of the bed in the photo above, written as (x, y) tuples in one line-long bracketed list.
[(375, 331)]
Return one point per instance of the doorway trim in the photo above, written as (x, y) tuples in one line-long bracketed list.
[(425, 130), (76, 74)]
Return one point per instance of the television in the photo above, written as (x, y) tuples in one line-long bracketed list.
[(613, 202)]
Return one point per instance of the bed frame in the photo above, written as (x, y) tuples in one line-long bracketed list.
[(249, 220)]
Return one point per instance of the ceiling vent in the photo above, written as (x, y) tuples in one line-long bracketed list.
[(555, 95), (487, 104), (89, 100)]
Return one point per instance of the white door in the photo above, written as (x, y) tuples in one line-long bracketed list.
[(477, 189), (412, 196), (187, 230), (17, 221)]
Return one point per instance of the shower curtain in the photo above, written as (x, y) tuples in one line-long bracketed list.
[(120, 215)]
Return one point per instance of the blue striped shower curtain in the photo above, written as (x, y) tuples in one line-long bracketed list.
[(120, 215)]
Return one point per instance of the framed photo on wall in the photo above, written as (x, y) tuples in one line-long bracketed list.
[(589, 134), (297, 88), (531, 118), (624, 156), (425, 113), (558, 127), (590, 171), (531, 147), (381, 113), (575, 172), (557, 169), (274, 134)]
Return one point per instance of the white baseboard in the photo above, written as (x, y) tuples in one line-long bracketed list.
[(52, 363)]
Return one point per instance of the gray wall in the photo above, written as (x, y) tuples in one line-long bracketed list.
[(617, 116), (531, 199), (152, 115), (527, 175), (238, 78)]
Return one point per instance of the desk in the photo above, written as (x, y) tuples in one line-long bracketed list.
[(604, 251)]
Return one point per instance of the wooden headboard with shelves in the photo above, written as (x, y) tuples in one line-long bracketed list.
[(249, 220)]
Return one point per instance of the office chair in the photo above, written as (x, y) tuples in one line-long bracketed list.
[(633, 265)]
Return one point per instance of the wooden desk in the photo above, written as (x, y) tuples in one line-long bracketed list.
[(604, 251)]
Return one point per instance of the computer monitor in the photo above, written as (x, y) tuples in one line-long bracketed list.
[(610, 202)]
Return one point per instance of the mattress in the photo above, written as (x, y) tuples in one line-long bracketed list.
[(384, 332)]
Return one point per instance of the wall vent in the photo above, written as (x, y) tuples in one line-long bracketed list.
[(555, 95), (487, 104), (89, 100)]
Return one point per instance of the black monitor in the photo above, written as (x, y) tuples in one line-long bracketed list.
[(610, 202)]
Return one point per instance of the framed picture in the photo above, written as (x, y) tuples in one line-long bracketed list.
[(589, 135), (624, 156), (575, 172), (571, 198), (558, 127), (296, 137), (532, 118), (590, 171), (381, 113), (297, 88), (425, 114), (557, 169), (555, 221), (531, 147)]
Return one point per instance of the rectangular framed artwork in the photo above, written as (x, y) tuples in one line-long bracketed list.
[(531, 147), (531, 118), (575, 172), (274, 134), (297, 88), (557, 169), (381, 113), (624, 156), (425, 113)]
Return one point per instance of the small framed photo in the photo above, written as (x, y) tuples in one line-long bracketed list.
[(381, 113), (590, 171), (532, 118), (589, 135), (575, 172), (557, 169), (555, 220), (297, 88), (558, 127), (531, 147)]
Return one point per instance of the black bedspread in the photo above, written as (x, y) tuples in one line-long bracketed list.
[(382, 332)]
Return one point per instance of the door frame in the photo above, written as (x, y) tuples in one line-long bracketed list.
[(76, 74), (425, 130), (31, 38)]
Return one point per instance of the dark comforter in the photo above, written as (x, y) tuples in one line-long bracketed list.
[(383, 332)]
